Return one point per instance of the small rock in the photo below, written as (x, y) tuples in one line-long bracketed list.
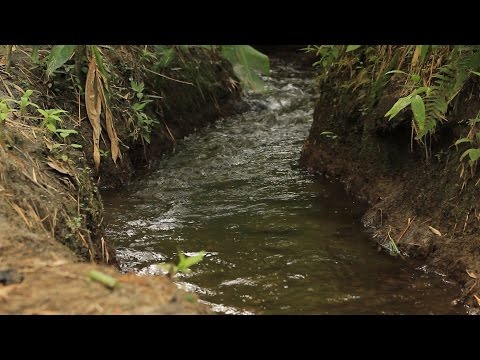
[(10, 276)]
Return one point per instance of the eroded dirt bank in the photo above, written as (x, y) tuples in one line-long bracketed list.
[(378, 162), (51, 213)]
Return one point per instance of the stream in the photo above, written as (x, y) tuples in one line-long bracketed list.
[(277, 239)]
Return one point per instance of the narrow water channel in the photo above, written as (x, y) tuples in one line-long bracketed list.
[(278, 240)]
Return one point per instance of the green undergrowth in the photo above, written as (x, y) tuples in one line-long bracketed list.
[(429, 83)]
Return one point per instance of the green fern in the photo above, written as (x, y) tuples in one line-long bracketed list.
[(449, 81)]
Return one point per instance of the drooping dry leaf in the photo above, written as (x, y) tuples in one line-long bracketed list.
[(435, 231), (112, 134), (471, 274), (94, 108)]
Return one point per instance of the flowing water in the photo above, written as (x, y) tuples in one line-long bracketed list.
[(278, 240)]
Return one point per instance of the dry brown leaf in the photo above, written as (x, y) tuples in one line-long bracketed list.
[(34, 176), (94, 108), (435, 231), (57, 166), (112, 134), (416, 55), (477, 298), (471, 274)]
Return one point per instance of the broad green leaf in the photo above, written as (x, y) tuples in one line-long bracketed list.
[(246, 61), (401, 104), (352, 47), (59, 55), (474, 154), (418, 108)]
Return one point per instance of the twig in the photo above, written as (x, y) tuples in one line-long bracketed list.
[(406, 229), (169, 78), (466, 221), (170, 133), (6, 87)]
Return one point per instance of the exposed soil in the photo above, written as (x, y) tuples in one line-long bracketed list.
[(375, 161), (51, 212)]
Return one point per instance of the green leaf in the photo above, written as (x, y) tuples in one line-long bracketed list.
[(137, 86), (64, 133), (401, 104), (51, 127), (185, 262), (102, 278), (418, 108), (246, 61), (35, 53), (352, 47), (396, 72), (59, 55), (415, 78), (423, 52), (474, 155), (76, 146), (99, 59), (462, 140)]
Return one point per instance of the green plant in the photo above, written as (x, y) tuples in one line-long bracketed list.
[(183, 265), (51, 120), (420, 124), (5, 110), (138, 87), (25, 101), (142, 124)]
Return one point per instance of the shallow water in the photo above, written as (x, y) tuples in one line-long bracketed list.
[(278, 240)]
